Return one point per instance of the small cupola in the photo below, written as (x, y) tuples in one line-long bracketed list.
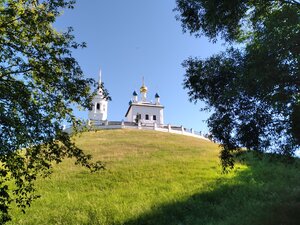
[(157, 101), (135, 96), (143, 91)]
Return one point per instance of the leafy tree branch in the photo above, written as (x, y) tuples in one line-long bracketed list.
[(254, 88), (40, 81)]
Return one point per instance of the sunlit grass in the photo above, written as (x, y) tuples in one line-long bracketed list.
[(159, 178)]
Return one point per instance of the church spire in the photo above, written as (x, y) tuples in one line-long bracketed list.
[(100, 82), (143, 91), (100, 77)]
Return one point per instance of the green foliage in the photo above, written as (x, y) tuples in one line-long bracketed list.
[(253, 90), (159, 178), (40, 81)]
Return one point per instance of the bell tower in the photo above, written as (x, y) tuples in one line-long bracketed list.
[(98, 111)]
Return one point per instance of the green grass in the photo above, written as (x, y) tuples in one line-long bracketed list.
[(159, 178)]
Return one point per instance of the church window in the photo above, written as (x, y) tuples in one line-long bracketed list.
[(147, 117), (137, 117), (103, 107), (154, 117), (98, 106)]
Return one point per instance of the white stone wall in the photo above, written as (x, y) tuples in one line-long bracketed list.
[(146, 110)]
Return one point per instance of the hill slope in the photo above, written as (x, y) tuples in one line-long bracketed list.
[(160, 178)]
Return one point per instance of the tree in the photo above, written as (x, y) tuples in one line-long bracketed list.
[(40, 82), (253, 87)]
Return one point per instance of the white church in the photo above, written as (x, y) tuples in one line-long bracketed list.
[(141, 114), (140, 110), (143, 111)]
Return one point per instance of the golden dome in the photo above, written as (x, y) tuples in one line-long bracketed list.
[(143, 89)]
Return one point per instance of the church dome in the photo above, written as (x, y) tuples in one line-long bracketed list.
[(143, 89)]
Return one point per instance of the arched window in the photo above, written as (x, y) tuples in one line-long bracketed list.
[(154, 117), (98, 106), (147, 117)]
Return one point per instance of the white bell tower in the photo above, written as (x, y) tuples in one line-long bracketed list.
[(98, 112)]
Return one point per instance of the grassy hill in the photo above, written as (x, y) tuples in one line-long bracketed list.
[(159, 178)]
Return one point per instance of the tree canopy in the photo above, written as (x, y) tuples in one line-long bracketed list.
[(253, 88), (40, 82)]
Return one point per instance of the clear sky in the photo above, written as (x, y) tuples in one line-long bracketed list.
[(136, 38)]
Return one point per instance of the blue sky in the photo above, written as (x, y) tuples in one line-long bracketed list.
[(132, 39)]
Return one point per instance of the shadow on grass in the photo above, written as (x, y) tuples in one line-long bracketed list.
[(265, 193)]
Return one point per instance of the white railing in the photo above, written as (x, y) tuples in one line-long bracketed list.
[(105, 125)]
